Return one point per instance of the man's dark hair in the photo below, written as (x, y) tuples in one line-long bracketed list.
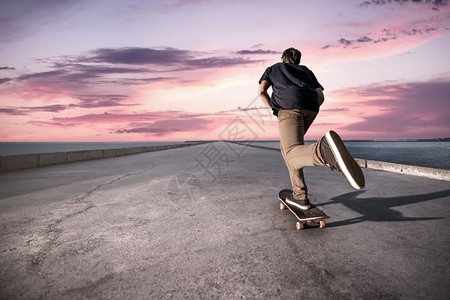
[(291, 56)]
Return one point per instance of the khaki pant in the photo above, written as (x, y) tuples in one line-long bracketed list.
[(293, 124)]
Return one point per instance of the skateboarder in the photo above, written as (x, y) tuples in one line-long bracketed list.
[(296, 98)]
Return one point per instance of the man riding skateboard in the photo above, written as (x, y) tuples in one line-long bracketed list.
[(296, 98)]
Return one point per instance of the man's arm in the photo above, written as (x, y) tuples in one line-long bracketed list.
[(320, 96), (262, 92)]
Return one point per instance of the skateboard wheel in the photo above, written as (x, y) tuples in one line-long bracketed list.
[(322, 224), (282, 206), (299, 226)]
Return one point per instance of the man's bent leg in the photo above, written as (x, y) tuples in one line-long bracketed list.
[(293, 124)]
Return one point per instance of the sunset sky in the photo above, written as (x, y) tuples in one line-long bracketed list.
[(135, 70)]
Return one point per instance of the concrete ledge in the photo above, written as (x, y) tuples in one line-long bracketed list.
[(405, 169), (46, 159), (95, 154), (74, 156), (108, 153), (432, 173), (18, 162)]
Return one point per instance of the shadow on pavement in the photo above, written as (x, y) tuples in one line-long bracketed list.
[(378, 209)]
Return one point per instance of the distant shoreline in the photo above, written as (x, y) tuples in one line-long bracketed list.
[(374, 140)]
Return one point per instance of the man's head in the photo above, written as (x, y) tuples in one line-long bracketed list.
[(291, 56)]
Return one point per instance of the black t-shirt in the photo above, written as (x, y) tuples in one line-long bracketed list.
[(293, 87)]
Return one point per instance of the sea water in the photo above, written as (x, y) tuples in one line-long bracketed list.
[(432, 154)]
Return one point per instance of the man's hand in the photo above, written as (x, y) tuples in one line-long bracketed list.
[(262, 92), (320, 96)]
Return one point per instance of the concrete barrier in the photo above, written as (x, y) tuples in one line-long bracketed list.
[(108, 153), (18, 162), (95, 154), (433, 173), (73, 156), (46, 159)]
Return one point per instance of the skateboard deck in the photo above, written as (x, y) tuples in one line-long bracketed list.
[(313, 217)]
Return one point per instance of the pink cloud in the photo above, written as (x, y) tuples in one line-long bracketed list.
[(383, 41), (147, 123), (118, 71), (409, 110), (109, 118), (167, 125), (383, 32), (85, 101), (77, 90), (164, 127)]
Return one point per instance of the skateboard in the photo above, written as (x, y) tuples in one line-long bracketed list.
[(313, 217)]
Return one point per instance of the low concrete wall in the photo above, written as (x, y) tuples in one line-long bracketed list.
[(46, 159), (18, 162), (439, 174), (405, 169)]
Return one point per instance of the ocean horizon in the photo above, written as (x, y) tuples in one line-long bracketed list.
[(432, 153)]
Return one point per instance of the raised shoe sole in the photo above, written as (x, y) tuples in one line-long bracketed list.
[(347, 165)]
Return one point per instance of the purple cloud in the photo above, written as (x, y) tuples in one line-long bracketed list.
[(384, 36), (96, 101), (45, 75), (261, 109), (364, 39), (12, 111), (132, 118), (105, 118), (86, 101), (158, 123), (420, 31), (344, 42), (150, 129), (163, 127), (7, 68), (181, 59), (49, 108), (138, 56), (337, 109), (4, 80), (102, 65), (413, 108), (217, 62), (434, 4), (15, 111), (181, 3), (139, 81), (257, 52), (99, 69)]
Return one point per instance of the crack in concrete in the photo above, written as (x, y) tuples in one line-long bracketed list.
[(83, 199), (9, 250), (53, 233)]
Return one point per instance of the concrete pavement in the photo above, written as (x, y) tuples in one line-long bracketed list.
[(203, 222)]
